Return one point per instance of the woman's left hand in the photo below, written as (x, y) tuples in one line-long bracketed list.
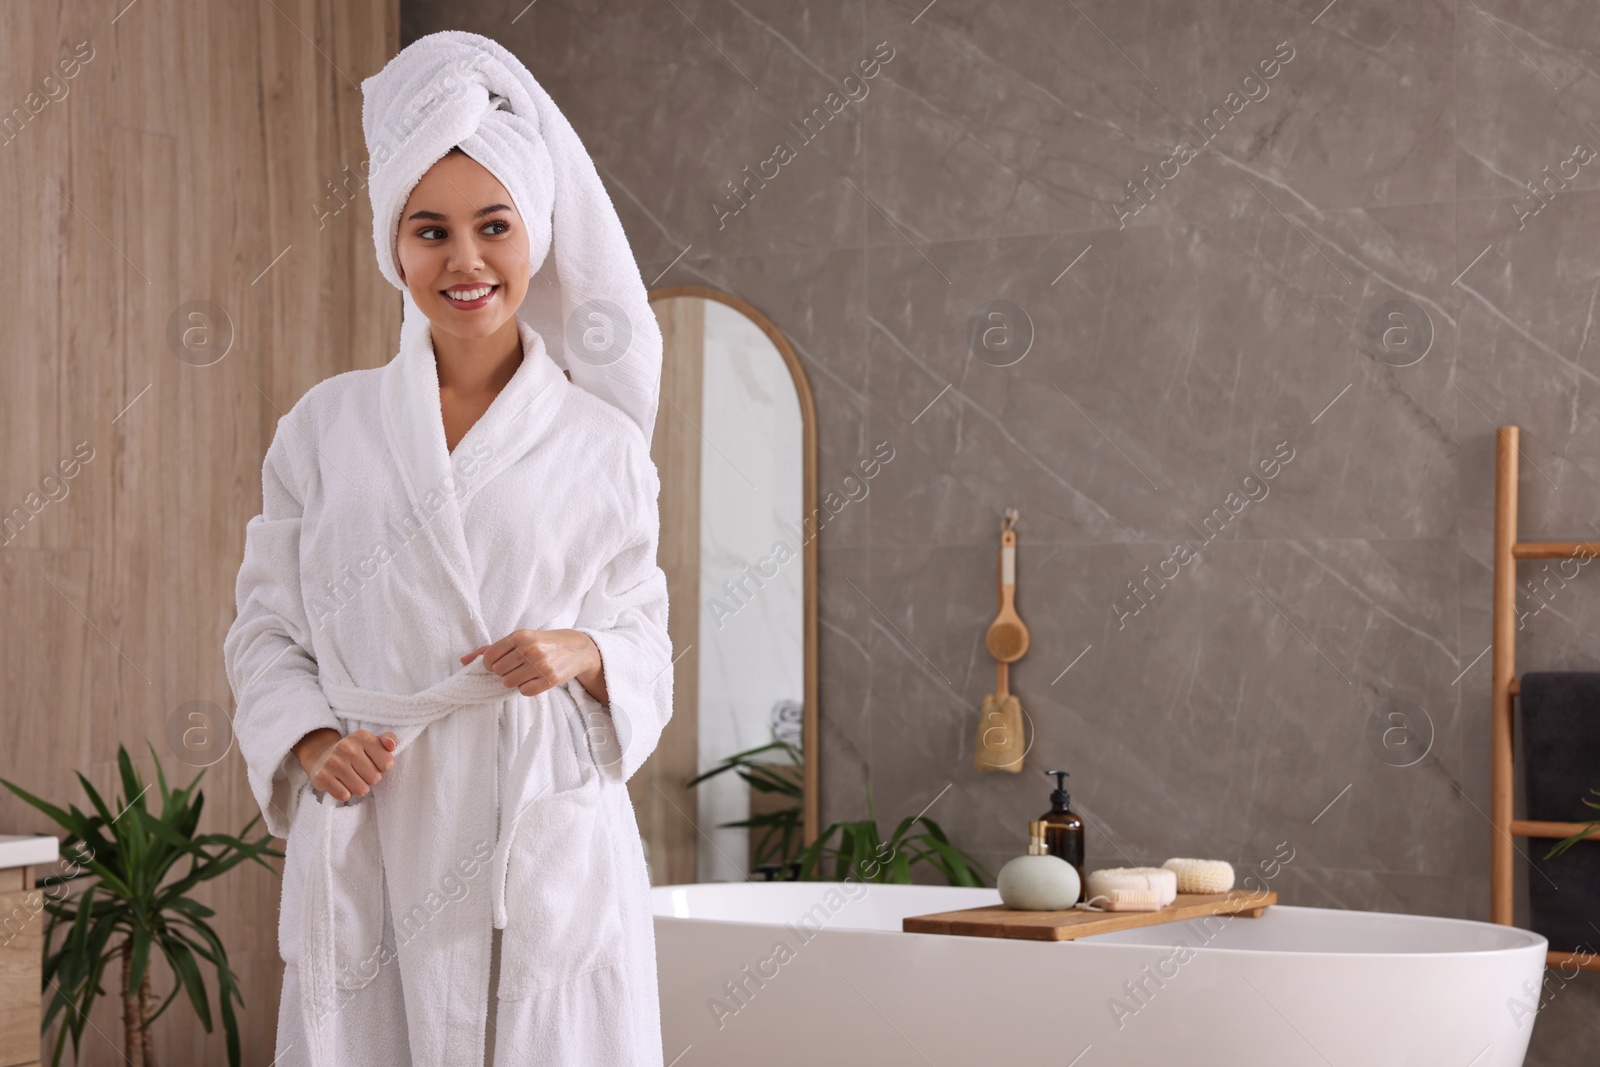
[(534, 661)]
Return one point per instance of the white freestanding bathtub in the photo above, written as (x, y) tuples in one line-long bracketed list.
[(802, 973)]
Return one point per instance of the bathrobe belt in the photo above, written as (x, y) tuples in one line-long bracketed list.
[(472, 685)]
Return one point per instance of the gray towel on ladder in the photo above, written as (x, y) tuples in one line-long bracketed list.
[(1560, 764)]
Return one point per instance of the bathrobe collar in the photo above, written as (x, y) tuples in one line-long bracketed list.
[(440, 484)]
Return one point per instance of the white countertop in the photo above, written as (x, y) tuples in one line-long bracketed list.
[(27, 850)]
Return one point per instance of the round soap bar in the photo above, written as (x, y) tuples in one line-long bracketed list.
[(1163, 883), (1038, 883)]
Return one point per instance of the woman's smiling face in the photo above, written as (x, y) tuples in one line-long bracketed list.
[(461, 236)]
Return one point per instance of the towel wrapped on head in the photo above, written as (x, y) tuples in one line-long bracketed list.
[(585, 298)]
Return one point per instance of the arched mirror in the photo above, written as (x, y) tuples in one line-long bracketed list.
[(735, 446)]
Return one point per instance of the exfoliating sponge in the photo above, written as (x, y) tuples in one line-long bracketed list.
[(1201, 876), (1133, 888)]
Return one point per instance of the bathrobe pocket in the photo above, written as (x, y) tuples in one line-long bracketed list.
[(349, 862), (563, 917)]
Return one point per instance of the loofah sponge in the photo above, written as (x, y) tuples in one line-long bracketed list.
[(1201, 876), (1125, 886)]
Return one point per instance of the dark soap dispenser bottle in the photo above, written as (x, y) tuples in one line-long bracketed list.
[(1063, 830)]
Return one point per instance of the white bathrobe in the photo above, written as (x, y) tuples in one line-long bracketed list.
[(378, 560)]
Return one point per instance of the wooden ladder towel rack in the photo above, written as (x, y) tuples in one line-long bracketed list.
[(1507, 550)]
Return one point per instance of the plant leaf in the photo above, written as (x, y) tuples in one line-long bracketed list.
[(184, 967)]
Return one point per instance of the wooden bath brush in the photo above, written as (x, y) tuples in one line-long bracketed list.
[(1000, 741), (1007, 637)]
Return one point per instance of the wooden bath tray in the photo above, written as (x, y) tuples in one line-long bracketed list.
[(997, 920)]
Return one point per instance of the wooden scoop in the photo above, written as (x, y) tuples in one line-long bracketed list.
[(1007, 639)]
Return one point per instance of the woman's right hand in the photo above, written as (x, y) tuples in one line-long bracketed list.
[(346, 766)]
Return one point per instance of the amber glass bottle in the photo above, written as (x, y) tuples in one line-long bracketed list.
[(1063, 832)]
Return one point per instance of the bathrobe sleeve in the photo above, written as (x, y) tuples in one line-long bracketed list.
[(269, 665), (625, 613)]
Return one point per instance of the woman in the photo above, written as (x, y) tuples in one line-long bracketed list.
[(451, 651)]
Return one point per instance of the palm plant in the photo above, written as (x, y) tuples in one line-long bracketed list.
[(876, 859), (130, 907), (780, 830), (859, 847)]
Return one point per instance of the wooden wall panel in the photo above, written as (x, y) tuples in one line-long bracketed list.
[(668, 812), (186, 161)]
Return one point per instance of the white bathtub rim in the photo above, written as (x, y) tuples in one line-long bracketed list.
[(1534, 940), (1134, 948)]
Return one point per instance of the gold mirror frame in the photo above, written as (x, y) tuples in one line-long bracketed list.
[(809, 732)]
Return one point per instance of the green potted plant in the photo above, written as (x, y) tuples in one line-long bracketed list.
[(780, 830), (877, 859), (132, 905), (859, 847)]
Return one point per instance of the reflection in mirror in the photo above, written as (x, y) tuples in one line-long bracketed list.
[(751, 583), (744, 462)]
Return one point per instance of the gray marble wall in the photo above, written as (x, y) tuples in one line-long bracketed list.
[(1171, 339)]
